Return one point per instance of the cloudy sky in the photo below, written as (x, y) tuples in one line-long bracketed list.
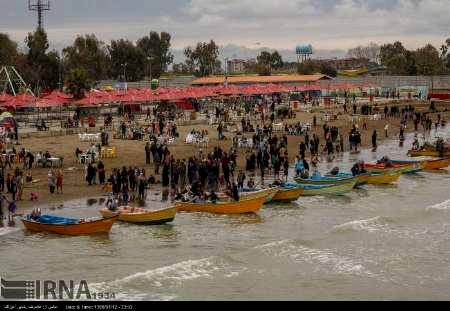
[(282, 24)]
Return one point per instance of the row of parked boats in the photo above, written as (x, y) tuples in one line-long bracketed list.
[(250, 201)]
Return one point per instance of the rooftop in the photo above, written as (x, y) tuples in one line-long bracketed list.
[(249, 79)]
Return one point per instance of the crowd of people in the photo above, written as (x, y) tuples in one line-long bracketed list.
[(202, 176)]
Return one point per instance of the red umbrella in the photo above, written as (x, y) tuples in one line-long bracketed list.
[(20, 101), (5, 97), (91, 99)]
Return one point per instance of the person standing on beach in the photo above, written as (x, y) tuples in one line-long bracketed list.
[(142, 184), (386, 128), (2, 179), (30, 158), (51, 182), (16, 133), (59, 182), (307, 139), (20, 185), (9, 183), (147, 153), (374, 140), (302, 149), (89, 174), (13, 187), (101, 173)]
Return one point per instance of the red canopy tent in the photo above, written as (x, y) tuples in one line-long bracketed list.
[(5, 97), (20, 101)]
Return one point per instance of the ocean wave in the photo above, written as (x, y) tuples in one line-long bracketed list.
[(370, 225), (326, 258), (169, 276), (441, 206), (8, 230)]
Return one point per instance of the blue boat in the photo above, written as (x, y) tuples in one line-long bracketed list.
[(336, 189), (325, 180)]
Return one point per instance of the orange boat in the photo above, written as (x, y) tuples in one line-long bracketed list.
[(427, 153), (73, 227), (395, 168), (242, 207), (429, 164), (436, 164)]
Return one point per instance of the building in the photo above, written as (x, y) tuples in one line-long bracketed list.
[(236, 66), (348, 63), (254, 79)]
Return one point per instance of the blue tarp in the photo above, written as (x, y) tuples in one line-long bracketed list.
[(57, 220), (307, 187)]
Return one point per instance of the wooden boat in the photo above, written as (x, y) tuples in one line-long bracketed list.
[(394, 169), (339, 189), (325, 180), (379, 179), (244, 206), (288, 194), (142, 216), (69, 226), (436, 164), (374, 179), (268, 194), (428, 153)]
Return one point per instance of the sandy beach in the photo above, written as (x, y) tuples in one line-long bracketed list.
[(131, 153)]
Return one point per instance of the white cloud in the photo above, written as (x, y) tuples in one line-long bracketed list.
[(327, 24)]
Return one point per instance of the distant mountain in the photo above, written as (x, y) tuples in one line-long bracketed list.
[(243, 52)]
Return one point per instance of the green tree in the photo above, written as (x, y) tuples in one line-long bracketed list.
[(328, 69), (268, 62), (180, 68), (445, 56), (8, 50), (90, 54), (78, 83), (308, 67), (203, 60), (428, 61), (42, 68), (397, 59), (156, 49), (126, 58)]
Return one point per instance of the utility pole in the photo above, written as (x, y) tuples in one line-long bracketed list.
[(39, 6), (60, 83)]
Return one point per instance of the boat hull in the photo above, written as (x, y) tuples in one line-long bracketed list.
[(267, 194), (245, 206), (339, 189), (397, 169), (379, 179), (94, 227), (429, 164), (288, 195), (325, 181), (427, 153), (436, 164), (144, 218)]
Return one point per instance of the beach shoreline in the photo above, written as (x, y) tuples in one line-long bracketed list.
[(131, 153)]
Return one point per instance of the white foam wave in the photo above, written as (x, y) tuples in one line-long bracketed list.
[(169, 276), (370, 225), (441, 206), (8, 230), (325, 258)]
